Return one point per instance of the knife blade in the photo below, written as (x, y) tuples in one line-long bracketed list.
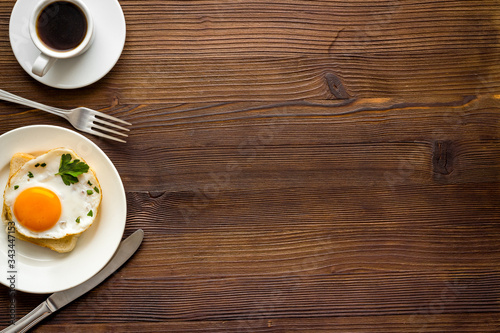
[(61, 298)]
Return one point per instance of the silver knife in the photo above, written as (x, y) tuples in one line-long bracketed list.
[(57, 300)]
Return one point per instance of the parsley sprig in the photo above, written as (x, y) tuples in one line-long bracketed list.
[(70, 170)]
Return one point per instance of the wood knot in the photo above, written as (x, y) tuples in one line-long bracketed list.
[(443, 156), (156, 194), (336, 86)]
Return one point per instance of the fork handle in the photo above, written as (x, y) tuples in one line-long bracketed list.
[(7, 96)]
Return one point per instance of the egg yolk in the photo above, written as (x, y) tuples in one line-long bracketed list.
[(37, 209)]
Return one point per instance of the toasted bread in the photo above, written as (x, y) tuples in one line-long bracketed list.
[(62, 245)]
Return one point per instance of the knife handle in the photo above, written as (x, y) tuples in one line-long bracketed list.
[(30, 320)]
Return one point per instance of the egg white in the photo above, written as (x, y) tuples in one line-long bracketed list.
[(76, 203)]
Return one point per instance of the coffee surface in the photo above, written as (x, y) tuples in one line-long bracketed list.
[(61, 26)]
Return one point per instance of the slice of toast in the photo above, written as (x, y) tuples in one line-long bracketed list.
[(62, 245)]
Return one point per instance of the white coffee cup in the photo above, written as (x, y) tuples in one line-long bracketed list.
[(49, 24)]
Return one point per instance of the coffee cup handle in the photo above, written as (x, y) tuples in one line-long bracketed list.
[(42, 64)]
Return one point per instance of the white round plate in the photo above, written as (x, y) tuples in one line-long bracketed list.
[(38, 269), (80, 71)]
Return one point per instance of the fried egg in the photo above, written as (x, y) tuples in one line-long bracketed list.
[(42, 206)]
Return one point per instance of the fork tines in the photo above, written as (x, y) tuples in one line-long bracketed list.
[(100, 123)]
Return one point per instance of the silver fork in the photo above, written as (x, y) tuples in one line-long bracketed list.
[(82, 118)]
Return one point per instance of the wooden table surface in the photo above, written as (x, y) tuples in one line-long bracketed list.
[(297, 166)]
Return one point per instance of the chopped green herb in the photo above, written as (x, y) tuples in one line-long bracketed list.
[(90, 213), (43, 165), (16, 187), (78, 219), (90, 184), (90, 192), (96, 189), (70, 170), (30, 175), (37, 165)]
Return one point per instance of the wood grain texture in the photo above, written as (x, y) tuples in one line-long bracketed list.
[(196, 51), (382, 324), (297, 166)]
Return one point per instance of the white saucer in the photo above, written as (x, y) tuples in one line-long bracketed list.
[(80, 71)]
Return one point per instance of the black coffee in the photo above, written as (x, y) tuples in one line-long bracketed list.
[(61, 26)]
